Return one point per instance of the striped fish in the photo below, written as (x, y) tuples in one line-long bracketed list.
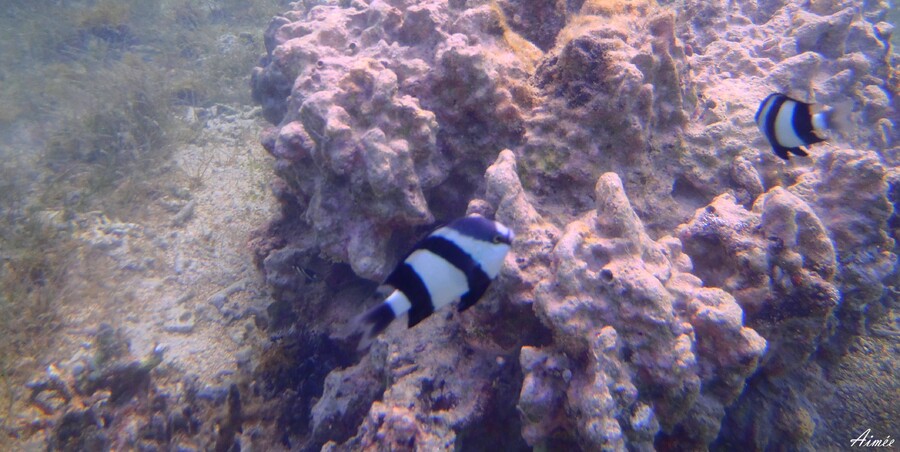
[(457, 261), (790, 125)]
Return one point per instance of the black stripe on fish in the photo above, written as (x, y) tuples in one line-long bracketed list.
[(473, 295), (762, 107), (405, 279), (802, 123), (477, 280)]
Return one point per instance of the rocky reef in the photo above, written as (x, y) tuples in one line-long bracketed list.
[(639, 345), (673, 284)]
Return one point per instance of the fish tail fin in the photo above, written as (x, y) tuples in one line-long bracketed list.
[(371, 324), (836, 120)]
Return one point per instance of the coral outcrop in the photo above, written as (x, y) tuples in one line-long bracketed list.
[(648, 347), (388, 102), (613, 101), (673, 284), (779, 263), (795, 263)]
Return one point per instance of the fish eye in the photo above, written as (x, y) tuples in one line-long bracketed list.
[(496, 239)]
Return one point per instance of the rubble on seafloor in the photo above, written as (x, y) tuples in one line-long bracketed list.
[(109, 401), (673, 283), (159, 313)]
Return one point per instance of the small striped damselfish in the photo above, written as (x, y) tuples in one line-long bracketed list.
[(456, 261), (790, 125)]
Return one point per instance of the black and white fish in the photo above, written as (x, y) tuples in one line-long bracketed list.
[(457, 261), (791, 125)]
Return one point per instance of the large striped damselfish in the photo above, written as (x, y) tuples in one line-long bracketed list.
[(457, 261)]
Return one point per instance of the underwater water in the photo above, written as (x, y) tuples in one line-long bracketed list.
[(693, 243)]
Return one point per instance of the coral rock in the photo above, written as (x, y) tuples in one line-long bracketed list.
[(385, 102), (630, 307)]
